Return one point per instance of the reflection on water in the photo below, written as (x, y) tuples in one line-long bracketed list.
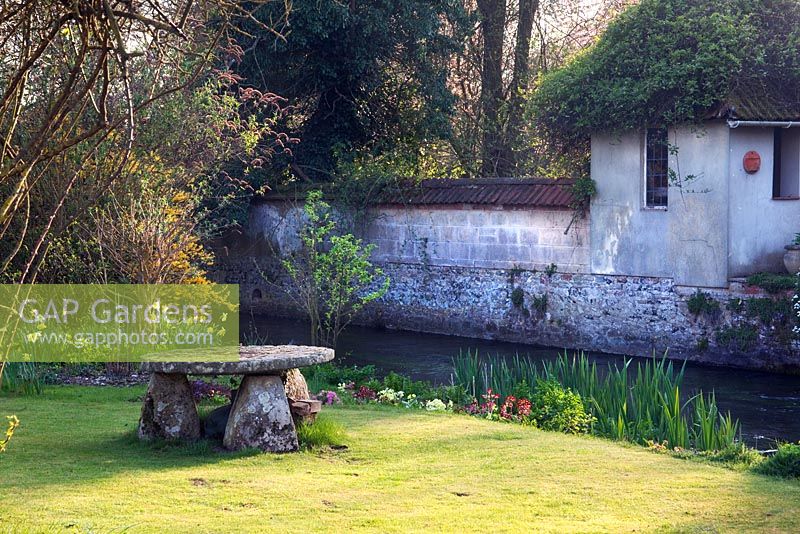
[(768, 405)]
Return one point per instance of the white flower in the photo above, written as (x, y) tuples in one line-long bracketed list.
[(435, 405)]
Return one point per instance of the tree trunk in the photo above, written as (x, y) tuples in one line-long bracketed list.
[(519, 82), (493, 17)]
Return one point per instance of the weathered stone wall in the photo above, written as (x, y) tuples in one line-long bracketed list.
[(459, 235), (479, 237), (617, 314)]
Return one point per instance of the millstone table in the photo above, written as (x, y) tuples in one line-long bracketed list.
[(260, 415)]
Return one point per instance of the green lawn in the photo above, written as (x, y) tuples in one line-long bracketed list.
[(76, 464)]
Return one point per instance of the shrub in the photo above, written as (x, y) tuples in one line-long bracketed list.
[(701, 302), (332, 274), (398, 382), (323, 432), (554, 407), (784, 463), (772, 282), (329, 375), (769, 310), (741, 338)]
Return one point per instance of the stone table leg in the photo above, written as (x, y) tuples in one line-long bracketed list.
[(260, 417), (169, 411)]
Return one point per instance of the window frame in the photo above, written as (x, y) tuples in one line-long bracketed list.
[(777, 164), (645, 161)]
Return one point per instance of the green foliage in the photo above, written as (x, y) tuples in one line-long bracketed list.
[(540, 303), (362, 77), (736, 305), (583, 189), (702, 344), (554, 407), (20, 377), (770, 311), (796, 240), (772, 282), (642, 404), (784, 463), (701, 302), (333, 277), (669, 61), (550, 270), (739, 338), (517, 297), (323, 432), (330, 375)]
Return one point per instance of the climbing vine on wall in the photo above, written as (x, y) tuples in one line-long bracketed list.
[(670, 61)]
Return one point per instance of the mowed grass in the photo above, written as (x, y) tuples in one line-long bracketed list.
[(76, 465)]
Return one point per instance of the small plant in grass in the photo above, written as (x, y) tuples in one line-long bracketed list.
[(550, 270), (365, 394), (641, 403), (13, 423), (436, 405), (554, 407), (203, 390), (784, 463), (21, 377), (328, 397), (323, 432), (702, 303)]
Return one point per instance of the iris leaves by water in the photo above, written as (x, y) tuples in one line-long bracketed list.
[(641, 403)]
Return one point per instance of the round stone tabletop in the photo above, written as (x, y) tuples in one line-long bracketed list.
[(253, 360)]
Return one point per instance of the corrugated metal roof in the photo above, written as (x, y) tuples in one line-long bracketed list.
[(488, 191)]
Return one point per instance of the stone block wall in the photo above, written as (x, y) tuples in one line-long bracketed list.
[(479, 237), (453, 271)]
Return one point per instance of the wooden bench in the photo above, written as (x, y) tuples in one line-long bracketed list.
[(260, 416)]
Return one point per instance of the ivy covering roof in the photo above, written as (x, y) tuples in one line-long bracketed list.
[(758, 100), (671, 61)]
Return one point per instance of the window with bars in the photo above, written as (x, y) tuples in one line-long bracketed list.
[(656, 168)]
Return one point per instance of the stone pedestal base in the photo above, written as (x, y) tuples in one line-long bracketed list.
[(169, 411), (260, 417)]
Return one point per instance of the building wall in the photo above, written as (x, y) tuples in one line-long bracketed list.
[(466, 236), (721, 224), (478, 237), (625, 238), (697, 216), (759, 226)]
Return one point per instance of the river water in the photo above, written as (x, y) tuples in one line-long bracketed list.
[(766, 404)]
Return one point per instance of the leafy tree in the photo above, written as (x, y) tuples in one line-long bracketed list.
[(670, 61), (362, 77), (332, 275)]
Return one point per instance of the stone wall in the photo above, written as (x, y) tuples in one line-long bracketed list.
[(637, 316), (480, 237)]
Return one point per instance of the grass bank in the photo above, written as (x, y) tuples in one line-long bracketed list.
[(75, 464)]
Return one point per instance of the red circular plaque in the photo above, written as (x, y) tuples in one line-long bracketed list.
[(751, 162)]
